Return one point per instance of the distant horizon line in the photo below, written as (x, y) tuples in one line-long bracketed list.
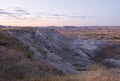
[(65, 26)]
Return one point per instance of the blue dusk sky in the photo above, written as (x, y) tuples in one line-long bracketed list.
[(60, 12)]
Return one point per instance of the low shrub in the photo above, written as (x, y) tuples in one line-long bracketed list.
[(29, 54), (3, 41)]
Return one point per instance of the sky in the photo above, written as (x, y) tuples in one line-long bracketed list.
[(60, 12)]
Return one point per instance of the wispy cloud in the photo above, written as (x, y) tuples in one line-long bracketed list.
[(21, 11), (65, 15), (23, 14), (70, 16), (16, 13)]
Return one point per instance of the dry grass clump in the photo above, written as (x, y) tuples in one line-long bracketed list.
[(87, 76), (98, 74), (113, 35)]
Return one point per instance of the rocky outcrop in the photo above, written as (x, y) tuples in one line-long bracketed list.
[(48, 45), (111, 63)]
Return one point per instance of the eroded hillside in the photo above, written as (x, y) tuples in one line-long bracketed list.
[(39, 52)]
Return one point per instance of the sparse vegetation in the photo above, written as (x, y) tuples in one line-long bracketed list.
[(3, 41), (29, 54), (98, 75), (93, 33)]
